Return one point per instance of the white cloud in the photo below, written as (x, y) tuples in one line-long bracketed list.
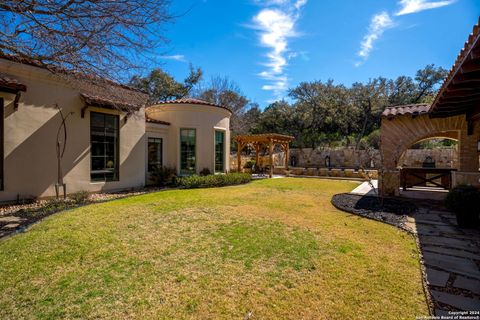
[(383, 21), (176, 57), (379, 23), (276, 27), (414, 6)]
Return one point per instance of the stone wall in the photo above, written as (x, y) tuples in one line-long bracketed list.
[(345, 158)]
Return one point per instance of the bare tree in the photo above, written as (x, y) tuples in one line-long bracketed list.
[(225, 92), (101, 37)]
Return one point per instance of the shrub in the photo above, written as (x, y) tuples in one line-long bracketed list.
[(209, 181), (80, 197), (463, 200), (163, 176), (205, 172), (249, 164)]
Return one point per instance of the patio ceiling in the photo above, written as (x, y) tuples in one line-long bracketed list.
[(460, 92)]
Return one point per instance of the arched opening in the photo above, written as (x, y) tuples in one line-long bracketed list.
[(427, 164)]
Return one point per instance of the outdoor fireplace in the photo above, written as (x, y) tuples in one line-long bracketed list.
[(428, 162)]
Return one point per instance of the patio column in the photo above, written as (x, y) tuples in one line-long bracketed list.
[(270, 155)]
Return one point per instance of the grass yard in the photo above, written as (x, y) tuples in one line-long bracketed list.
[(273, 248)]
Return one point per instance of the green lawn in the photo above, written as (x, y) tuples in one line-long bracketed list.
[(275, 248)]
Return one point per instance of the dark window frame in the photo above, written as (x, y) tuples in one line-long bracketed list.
[(157, 163), (223, 151), (184, 171), (2, 144), (105, 171)]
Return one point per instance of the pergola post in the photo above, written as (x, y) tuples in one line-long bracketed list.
[(287, 155), (258, 141), (270, 155), (239, 156)]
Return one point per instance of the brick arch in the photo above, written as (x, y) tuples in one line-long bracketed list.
[(400, 132), (452, 135)]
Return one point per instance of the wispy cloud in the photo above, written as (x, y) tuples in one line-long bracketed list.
[(382, 21), (414, 6), (176, 57), (379, 23), (276, 24)]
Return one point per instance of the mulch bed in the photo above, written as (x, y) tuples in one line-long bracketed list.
[(390, 210)]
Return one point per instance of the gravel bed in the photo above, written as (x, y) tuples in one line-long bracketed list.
[(391, 211)]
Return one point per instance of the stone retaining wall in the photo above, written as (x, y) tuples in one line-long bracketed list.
[(346, 158)]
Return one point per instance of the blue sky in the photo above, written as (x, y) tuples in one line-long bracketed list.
[(272, 45)]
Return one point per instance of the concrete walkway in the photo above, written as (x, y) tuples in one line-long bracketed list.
[(451, 256)]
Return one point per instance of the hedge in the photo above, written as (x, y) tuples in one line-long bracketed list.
[(213, 180)]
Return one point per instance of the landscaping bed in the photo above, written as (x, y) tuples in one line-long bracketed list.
[(390, 210)]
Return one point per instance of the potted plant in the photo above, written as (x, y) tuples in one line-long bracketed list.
[(464, 200)]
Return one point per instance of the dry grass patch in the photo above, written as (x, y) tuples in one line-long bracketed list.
[(275, 248)]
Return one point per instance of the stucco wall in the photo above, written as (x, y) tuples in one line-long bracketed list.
[(205, 119), (30, 138)]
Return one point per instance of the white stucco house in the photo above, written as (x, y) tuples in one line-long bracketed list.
[(114, 140)]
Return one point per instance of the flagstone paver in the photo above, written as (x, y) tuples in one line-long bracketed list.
[(457, 301), (467, 284), (451, 257), (437, 278)]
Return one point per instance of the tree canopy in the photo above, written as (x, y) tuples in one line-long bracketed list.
[(101, 37), (161, 86)]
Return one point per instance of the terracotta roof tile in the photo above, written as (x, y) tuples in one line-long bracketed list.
[(194, 101), (150, 120), (408, 109), (94, 90)]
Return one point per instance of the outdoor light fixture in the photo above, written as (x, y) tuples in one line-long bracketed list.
[(478, 145)]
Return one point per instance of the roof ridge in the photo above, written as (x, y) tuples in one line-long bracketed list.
[(192, 101)]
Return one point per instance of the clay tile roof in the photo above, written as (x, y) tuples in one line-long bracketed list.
[(150, 120), (125, 101), (408, 109), (194, 101), (10, 84), (94, 90)]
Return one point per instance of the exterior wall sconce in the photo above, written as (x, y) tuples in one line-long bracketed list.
[(478, 145)]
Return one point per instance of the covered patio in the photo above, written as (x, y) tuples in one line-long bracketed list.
[(260, 141), (454, 114)]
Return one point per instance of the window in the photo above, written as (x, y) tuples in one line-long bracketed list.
[(2, 122), (219, 151), (155, 157), (187, 151), (104, 146)]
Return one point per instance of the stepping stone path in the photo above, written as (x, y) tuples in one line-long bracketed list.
[(451, 257), (8, 224)]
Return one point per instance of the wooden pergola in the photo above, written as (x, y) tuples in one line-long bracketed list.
[(257, 141)]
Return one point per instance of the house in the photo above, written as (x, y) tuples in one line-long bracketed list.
[(454, 114), (113, 141)]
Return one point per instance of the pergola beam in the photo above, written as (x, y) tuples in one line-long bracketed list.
[(267, 139)]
